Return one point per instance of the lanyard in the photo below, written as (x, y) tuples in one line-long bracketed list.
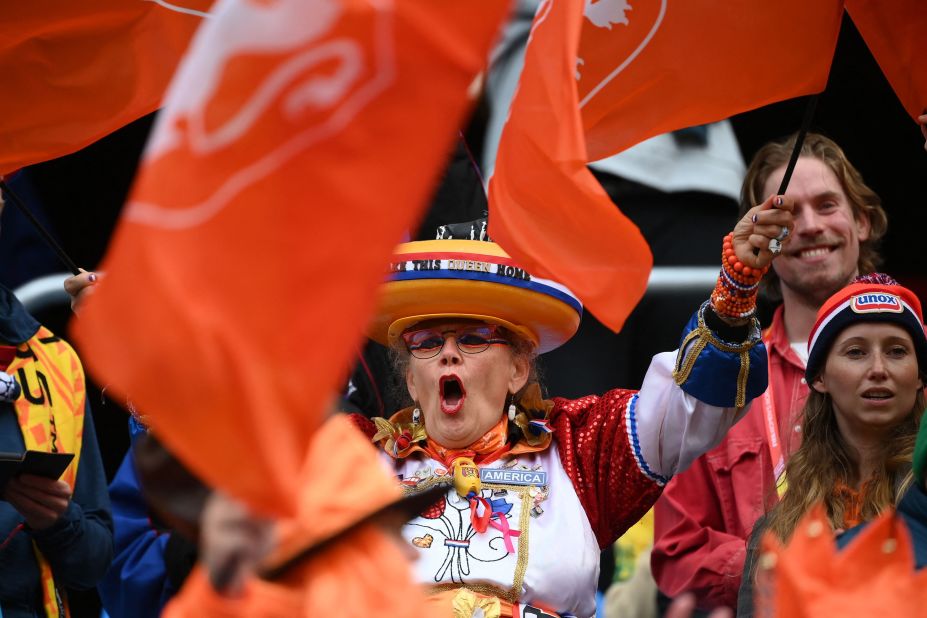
[(773, 441), (767, 400)]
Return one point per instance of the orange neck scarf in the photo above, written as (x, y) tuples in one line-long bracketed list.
[(400, 436), (853, 500), (490, 447)]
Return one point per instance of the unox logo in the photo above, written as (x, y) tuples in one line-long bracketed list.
[(876, 302)]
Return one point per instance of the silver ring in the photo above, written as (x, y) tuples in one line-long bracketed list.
[(775, 247), (783, 234)]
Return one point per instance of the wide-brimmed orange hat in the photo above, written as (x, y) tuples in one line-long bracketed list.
[(472, 279)]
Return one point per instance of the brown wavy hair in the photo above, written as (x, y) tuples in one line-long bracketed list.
[(863, 200), (823, 461)]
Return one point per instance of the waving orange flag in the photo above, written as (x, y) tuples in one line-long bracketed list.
[(603, 75), (896, 33), (648, 67), (299, 140), (546, 208), (74, 72)]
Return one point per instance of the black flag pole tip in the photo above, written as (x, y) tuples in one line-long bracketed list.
[(45, 234), (799, 142), (796, 149)]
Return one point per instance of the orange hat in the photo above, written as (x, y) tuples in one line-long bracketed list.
[(472, 279)]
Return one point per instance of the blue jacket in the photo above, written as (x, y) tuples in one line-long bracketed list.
[(150, 562), (79, 546)]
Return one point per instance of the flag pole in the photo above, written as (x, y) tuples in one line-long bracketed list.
[(799, 142), (796, 150), (46, 235)]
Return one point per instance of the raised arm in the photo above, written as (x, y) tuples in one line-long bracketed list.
[(623, 446)]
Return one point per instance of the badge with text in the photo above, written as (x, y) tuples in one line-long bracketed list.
[(876, 302), (513, 477)]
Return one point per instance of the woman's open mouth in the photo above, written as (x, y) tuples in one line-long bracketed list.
[(877, 395), (452, 394)]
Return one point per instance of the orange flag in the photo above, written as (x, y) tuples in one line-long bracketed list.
[(362, 573), (299, 140), (653, 66), (896, 33), (632, 70), (546, 208), (874, 575), (74, 72)]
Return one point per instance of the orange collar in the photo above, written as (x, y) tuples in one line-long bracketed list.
[(400, 436), (490, 447)]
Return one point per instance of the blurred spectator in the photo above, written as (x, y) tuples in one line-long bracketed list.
[(57, 533)]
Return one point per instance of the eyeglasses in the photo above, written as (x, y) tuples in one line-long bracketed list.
[(428, 342)]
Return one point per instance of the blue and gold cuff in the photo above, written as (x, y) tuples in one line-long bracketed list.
[(718, 372)]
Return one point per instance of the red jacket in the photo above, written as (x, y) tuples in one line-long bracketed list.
[(706, 514)]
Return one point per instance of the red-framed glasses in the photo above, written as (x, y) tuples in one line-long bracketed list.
[(428, 342)]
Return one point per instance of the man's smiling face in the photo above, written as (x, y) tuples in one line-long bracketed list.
[(823, 254)]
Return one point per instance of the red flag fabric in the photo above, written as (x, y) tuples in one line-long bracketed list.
[(75, 71), (896, 33), (649, 67), (546, 209), (299, 140)]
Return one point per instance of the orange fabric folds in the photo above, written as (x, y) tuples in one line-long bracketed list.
[(874, 575), (298, 141), (76, 71), (362, 574), (650, 67), (546, 209), (603, 75), (896, 33)]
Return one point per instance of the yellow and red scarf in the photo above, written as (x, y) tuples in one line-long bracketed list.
[(51, 418)]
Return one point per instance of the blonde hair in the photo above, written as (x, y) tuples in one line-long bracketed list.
[(863, 200)]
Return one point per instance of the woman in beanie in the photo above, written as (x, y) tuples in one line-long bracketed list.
[(867, 360)]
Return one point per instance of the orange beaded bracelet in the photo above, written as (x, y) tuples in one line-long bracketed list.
[(735, 292)]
